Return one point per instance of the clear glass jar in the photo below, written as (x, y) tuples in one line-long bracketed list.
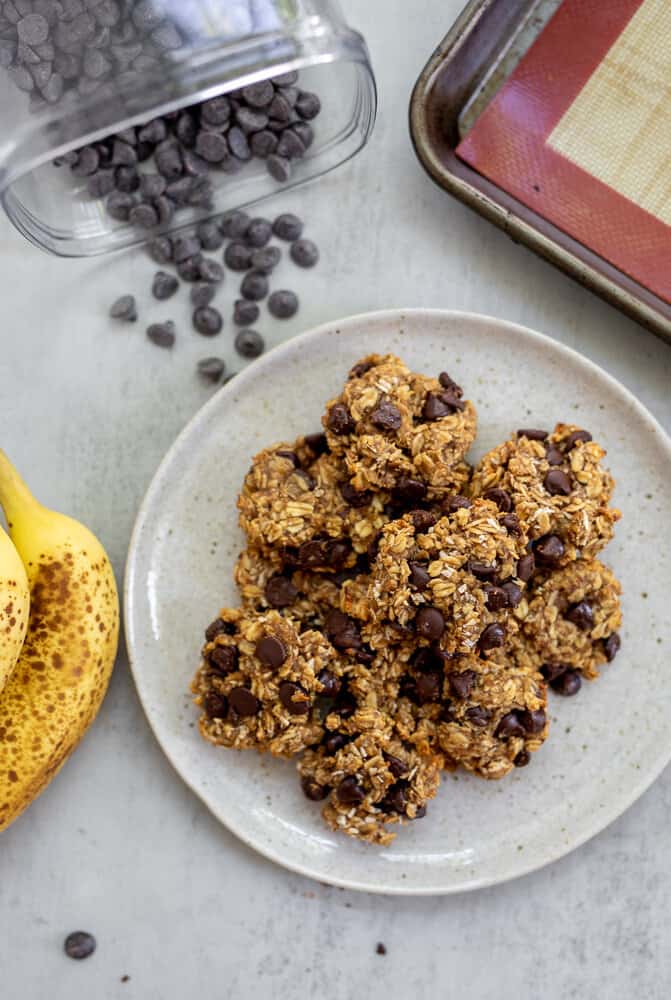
[(72, 72)]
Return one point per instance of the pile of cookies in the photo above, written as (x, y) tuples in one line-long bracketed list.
[(401, 612)]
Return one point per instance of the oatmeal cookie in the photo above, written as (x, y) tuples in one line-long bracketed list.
[(486, 715), (558, 488), (453, 583), (298, 504), (401, 431), (261, 682), (369, 781), (570, 625)]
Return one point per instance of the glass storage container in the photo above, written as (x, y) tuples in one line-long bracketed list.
[(73, 72)]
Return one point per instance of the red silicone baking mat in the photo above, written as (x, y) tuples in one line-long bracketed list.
[(581, 132)]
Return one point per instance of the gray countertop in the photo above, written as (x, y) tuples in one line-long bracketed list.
[(118, 845)]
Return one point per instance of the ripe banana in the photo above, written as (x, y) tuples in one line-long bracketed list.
[(62, 673), (14, 601)]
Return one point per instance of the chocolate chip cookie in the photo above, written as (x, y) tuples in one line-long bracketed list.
[(401, 431), (558, 488)]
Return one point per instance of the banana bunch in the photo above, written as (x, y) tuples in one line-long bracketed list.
[(57, 657)]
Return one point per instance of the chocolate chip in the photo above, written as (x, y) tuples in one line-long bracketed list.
[(185, 247), (396, 799), (238, 143), (280, 592), (350, 792), (285, 79), (217, 111), (567, 684), (238, 256), (420, 812), (308, 105), (397, 767), (330, 683), (513, 593), (210, 236), (202, 294), (211, 369), (533, 721), (501, 498), (87, 163), (339, 420), (263, 143), (482, 570), (360, 368), (423, 520), (212, 146), (265, 259), (478, 716), (101, 184), (449, 383), (294, 698), (551, 671), (234, 224), (271, 652), (492, 637), (355, 498), (207, 321), (162, 334), (279, 169), (223, 659), (210, 270), (522, 758), (509, 726), (455, 503), (124, 308), (143, 215), (215, 628), (581, 615), (612, 646), (557, 483), (497, 599), (288, 227), (215, 705), (312, 790), (435, 407), (511, 523), (429, 687), (164, 286), (254, 286), (160, 250), (342, 631), (258, 232), (461, 684), (553, 456), (79, 944), (549, 550), (245, 312), (419, 575), (410, 490), (304, 252), (283, 304), (249, 343), (317, 443), (573, 439), (243, 702), (189, 269), (386, 416), (334, 742), (526, 567), (532, 434), (430, 623)]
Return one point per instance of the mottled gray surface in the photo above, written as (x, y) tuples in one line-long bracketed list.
[(118, 845)]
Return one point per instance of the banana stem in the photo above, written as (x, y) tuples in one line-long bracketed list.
[(14, 494)]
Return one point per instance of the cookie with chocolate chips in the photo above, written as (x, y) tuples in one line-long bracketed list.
[(557, 487), (400, 431)]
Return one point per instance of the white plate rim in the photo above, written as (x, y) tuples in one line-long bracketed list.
[(601, 820)]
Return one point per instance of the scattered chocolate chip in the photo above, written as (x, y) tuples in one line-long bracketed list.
[(265, 259), (223, 659), (308, 105), (234, 225), (317, 443), (271, 652), (245, 312), (557, 483), (526, 567), (612, 646), (355, 498), (334, 742), (396, 799), (492, 637), (215, 628), (304, 252), (210, 270), (350, 792), (449, 383), (280, 592), (211, 369), (419, 575), (339, 420), (249, 343), (288, 227), (461, 684), (312, 790), (189, 269), (202, 293), (258, 233), (510, 726), (533, 721), (435, 407), (549, 550), (522, 758), (532, 434), (164, 286), (497, 599), (429, 687), (567, 684), (581, 615), (481, 570), (210, 236), (79, 945), (397, 767), (573, 439), (455, 503), (207, 321), (553, 456), (125, 308), (386, 416), (342, 631), (429, 623), (279, 169), (478, 716), (513, 593), (162, 334), (380, 949), (410, 490), (511, 523), (243, 702), (423, 520), (160, 250), (283, 304), (294, 698), (551, 671), (501, 498), (238, 256), (215, 705), (330, 683)]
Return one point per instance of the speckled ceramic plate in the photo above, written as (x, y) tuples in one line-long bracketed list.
[(606, 746)]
